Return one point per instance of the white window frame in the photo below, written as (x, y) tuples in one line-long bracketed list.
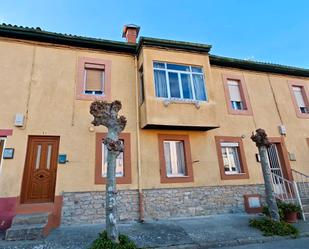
[(227, 145), (301, 91), (102, 82), (1, 159), (173, 166), (179, 72)]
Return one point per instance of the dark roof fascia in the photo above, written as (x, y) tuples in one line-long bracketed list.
[(38, 35), (257, 66), (171, 44)]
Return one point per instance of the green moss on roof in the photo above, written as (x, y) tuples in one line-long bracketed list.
[(37, 34)]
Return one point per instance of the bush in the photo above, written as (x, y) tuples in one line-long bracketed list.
[(270, 227), (103, 242)]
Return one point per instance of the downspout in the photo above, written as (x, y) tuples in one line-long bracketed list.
[(139, 170)]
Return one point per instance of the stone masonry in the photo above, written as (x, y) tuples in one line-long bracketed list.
[(89, 207)]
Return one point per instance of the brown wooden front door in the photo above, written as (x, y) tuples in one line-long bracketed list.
[(40, 171)]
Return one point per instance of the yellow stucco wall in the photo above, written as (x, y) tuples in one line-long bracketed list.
[(40, 80), (46, 76)]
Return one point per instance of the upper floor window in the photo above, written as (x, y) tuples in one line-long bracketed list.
[(179, 81), (93, 79), (142, 87), (236, 94), (300, 98)]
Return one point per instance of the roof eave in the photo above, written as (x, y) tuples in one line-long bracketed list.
[(75, 41), (170, 44), (257, 66)]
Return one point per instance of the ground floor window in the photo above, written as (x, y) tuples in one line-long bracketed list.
[(119, 162), (231, 158), (123, 161), (2, 141), (175, 158)]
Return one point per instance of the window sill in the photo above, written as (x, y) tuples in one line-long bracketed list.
[(176, 176)]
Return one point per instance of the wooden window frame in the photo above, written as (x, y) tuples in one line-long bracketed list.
[(305, 93), (243, 93), (189, 169), (126, 179), (242, 158), (80, 95)]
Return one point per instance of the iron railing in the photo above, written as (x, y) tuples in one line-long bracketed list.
[(287, 191)]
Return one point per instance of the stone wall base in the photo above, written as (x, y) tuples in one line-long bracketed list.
[(89, 207)]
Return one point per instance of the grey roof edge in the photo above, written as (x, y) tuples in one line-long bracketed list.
[(37, 34), (180, 45), (257, 66)]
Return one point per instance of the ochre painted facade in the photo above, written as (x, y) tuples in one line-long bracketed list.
[(39, 80)]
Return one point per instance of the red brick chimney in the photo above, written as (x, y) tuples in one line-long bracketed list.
[(130, 32)]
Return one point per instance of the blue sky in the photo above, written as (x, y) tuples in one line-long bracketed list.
[(274, 31)]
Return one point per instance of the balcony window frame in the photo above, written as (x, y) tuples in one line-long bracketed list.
[(243, 94), (85, 63), (305, 95), (127, 178), (179, 72), (241, 156), (164, 178)]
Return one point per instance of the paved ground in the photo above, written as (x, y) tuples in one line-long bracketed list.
[(202, 232), (302, 243)]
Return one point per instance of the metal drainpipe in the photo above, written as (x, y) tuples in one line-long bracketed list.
[(140, 189)]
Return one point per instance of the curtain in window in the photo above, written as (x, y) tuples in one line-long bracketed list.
[(180, 158), (236, 162), (199, 88), (160, 83), (174, 85), (234, 90), (299, 96), (167, 155), (186, 86)]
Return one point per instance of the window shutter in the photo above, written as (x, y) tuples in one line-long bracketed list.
[(299, 96), (94, 79), (234, 90)]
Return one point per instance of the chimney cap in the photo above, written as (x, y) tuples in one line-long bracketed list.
[(128, 26)]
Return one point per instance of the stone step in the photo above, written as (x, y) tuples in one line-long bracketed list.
[(304, 201), (25, 232), (30, 219), (306, 208)]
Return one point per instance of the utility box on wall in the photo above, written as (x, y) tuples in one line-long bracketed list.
[(19, 120)]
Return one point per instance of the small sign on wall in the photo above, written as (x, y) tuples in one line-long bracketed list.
[(253, 203), (8, 153)]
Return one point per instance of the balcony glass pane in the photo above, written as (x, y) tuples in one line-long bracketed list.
[(160, 83), (186, 86), (174, 85)]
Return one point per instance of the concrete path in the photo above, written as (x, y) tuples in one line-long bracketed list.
[(200, 232)]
